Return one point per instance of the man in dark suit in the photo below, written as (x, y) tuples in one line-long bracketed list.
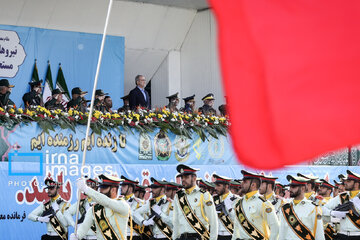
[(139, 96)]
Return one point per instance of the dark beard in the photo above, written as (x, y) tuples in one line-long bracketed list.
[(108, 194), (295, 194)]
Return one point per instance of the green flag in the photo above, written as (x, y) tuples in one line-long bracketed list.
[(61, 84), (48, 85), (35, 74)]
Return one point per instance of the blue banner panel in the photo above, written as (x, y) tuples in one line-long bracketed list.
[(29, 155), (77, 52)]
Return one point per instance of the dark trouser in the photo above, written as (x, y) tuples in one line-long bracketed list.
[(220, 237), (189, 236), (344, 237), (47, 237)]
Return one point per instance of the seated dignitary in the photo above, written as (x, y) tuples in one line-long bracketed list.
[(99, 103), (224, 201), (255, 217), (55, 101), (110, 214), (189, 104), (300, 218), (126, 106), (108, 104), (195, 215), (173, 102), (51, 213), (156, 212), (5, 91), (207, 108), (345, 208), (34, 98), (84, 206), (77, 101)]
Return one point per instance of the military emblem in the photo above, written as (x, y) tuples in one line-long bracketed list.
[(162, 146), (181, 145), (195, 200), (209, 203), (216, 147), (268, 210), (145, 148)]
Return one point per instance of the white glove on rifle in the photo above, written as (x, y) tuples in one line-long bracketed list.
[(44, 219), (73, 237), (81, 185), (148, 222), (157, 209), (338, 214)]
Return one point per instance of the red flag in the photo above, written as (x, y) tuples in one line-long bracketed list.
[(291, 72)]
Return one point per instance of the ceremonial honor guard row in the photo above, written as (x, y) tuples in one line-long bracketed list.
[(255, 207)]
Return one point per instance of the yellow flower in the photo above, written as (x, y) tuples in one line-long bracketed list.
[(160, 115), (76, 112), (1, 109), (20, 110), (70, 112), (11, 110)]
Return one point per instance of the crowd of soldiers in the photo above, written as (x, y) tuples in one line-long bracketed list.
[(254, 207), (138, 97)]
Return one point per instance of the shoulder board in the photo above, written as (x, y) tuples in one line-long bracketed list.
[(203, 191), (59, 201), (262, 198)]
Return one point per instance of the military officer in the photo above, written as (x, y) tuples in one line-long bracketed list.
[(235, 187), (325, 191), (156, 213), (347, 214), (173, 102), (267, 188), (127, 190), (337, 186), (126, 106), (99, 104), (342, 185), (5, 91), (279, 189), (55, 101), (110, 214), (51, 213), (300, 218), (194, 209), (254, 216), (310, 190), (170, 190), (85, 204), (206, 186), (189, 104), (77, 101), (34, 98), (207, 108), (140, 192), (224, 201)]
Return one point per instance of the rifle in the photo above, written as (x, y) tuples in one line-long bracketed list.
[(153, 213), (348, 206)]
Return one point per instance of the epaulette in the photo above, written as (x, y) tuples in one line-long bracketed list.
[(59, 201), (262, 198)]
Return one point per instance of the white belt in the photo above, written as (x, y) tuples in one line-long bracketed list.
[(160, 235), (52, 233), (349, 234), (90, 238), (224, 233)]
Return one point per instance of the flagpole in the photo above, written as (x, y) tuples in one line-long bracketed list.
[(92, 104)]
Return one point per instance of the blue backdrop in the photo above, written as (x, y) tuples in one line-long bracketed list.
[(77, 52)]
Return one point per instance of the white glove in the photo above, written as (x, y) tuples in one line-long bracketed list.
[(81, 185), (55, 206), (338, 214), (44, 219), (356, 202), (228, 203), (148, 222), (73, 237), (157, 209)]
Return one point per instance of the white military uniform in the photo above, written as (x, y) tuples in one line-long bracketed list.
[(116, 210), (134, 203), (71, 211), (276, 202), (144, 211), (311, 196), (346, 226), (309, 214), (260, 213), (221, 229), (203, 207), (37, 212)]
